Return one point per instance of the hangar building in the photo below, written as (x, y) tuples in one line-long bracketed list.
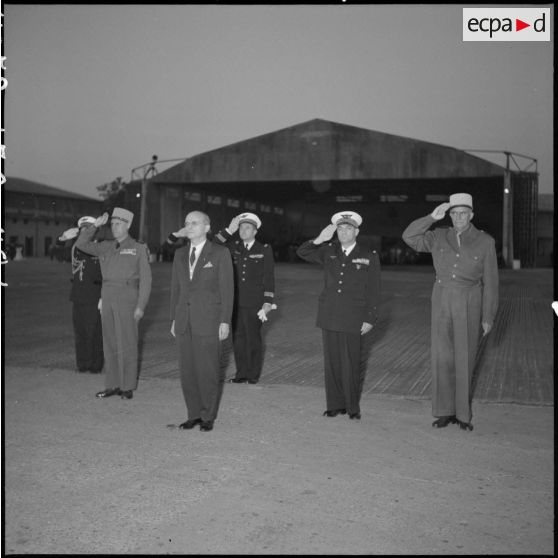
[(297, 177)]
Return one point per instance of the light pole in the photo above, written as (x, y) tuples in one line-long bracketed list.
[(149, 170)]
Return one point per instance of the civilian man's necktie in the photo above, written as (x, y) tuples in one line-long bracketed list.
[(246, 246), (192, 256)]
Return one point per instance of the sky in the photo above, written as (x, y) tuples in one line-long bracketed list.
[(95, 90)]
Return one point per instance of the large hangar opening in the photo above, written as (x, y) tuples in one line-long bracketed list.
[(296, 178)]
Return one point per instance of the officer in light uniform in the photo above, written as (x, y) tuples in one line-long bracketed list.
[(254, 293), (464, 297), (348, 307), (126, 289), (85, 296)]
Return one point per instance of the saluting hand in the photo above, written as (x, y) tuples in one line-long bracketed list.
[(326, 234), (102, 220), (181, 233), (233, 225), (440, 211), (69, 234)]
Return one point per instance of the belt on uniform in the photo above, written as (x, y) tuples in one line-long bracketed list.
[(134, 283), (457, 284)]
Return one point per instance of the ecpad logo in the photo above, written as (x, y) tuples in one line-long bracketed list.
[(506, 24)]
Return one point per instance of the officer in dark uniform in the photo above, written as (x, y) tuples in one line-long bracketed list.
[(254, 293), (348, 307), (464, 297), (125, 292), (85, 295)]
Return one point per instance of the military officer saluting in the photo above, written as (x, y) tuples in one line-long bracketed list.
[(464, 297), (348, 307), (85, 296), (125, 292), (254, 268)]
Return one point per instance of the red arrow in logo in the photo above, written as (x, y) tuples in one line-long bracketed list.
[(519, 25)]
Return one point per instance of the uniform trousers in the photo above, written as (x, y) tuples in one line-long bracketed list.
[(88, 336), (199, 360), (343, 382), (120, 336), (456, 317), (247, 343)]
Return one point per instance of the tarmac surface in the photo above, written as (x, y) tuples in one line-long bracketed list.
[(83, 475)]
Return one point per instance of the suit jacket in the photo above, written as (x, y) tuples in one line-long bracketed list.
[(207, 300), (351, 291), (87, 279), (473, 262)]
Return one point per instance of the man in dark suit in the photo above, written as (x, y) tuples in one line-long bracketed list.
[(254, 294), (348, 307), (85, 295), (202, 291)]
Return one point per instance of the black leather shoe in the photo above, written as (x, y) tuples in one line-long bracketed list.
[(95, 371), (206, 426), (237, 381), (128, 394), (354, 416), (465, 425), (252, 381), (190, 423), (108, 392), (335, 412), (442, 422)]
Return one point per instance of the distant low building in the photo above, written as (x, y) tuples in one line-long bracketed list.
[(36, 214), (545, 231)]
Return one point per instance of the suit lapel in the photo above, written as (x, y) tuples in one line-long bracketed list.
[(202, 260)]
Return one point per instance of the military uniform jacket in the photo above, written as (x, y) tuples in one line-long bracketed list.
[(86, 278), (206, 300), (351, 291), (125, 263), (254, 271), (473, 263)]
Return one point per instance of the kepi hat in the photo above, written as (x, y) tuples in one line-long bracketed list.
[(457, 200), (350, 217), (251, 218), (123, 215), (86, 219)]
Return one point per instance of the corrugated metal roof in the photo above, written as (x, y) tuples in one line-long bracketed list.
[(22, 185), (324, 150)]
